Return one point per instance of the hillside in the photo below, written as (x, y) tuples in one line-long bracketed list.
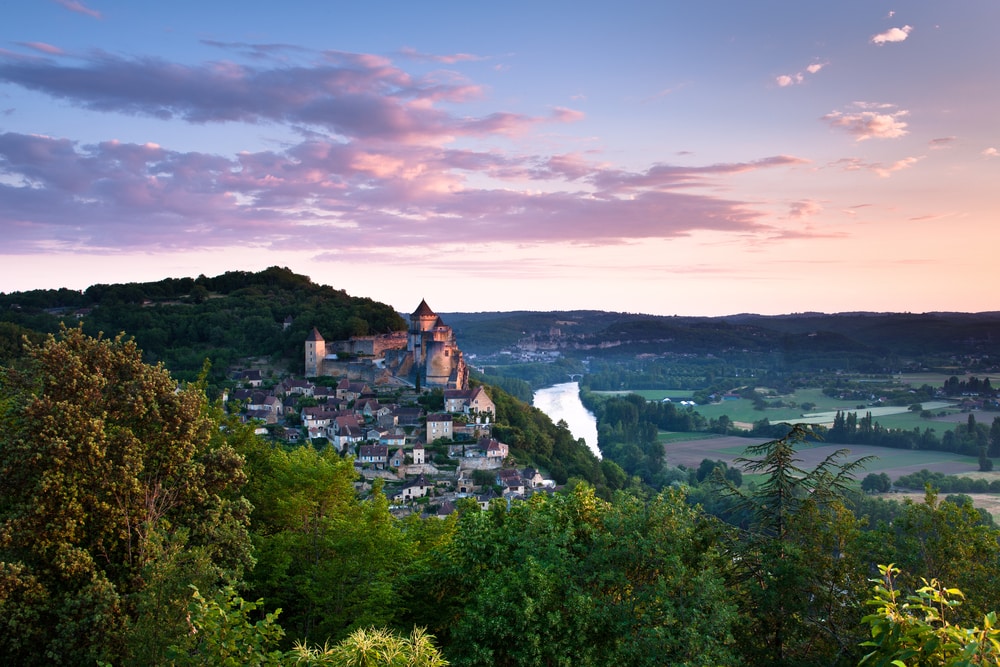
[(181, 322)]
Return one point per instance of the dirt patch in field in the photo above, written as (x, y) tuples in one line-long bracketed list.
[(893, 462), (987, 501)]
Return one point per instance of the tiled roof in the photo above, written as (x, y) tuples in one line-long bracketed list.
[(423, 310)]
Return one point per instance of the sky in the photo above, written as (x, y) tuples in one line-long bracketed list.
[(663, 157)]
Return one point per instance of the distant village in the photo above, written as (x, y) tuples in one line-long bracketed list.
[(361, 398)]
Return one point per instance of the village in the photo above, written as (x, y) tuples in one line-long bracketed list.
[(401, 406)]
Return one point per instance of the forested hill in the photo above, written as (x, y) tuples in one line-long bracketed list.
[(183, 321), (864, 336)]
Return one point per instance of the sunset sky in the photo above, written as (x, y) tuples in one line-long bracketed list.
[(665, 157)]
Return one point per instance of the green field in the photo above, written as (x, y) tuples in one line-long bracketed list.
[(654, 394), (667, 437), (742, 410), (824, 408), (938, 379)]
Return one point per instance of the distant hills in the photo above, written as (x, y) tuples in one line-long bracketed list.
[(893, 338), (239, 314)]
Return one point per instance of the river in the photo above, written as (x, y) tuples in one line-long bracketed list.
[(562, 401)]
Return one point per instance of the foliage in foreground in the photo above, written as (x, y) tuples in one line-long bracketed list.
[(119, 490), (223, 632), (919, 629)]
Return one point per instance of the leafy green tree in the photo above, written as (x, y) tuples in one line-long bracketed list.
[(796, 577), (946, 541), (119, 489), (920, 630), (329, 560), (572, 579), (985, 462), (222, 632), (994, 439), (876, 483)]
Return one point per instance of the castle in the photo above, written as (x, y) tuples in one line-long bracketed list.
[(427, 356)]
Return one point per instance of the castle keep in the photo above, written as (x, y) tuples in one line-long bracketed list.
[(426, 356)]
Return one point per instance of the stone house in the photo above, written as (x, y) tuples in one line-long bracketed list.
[(494, 449), (351, 391), (439, 425), (376, 454), (392, 438), (511, 481), (473, 401), (416, 488), (397, 459)]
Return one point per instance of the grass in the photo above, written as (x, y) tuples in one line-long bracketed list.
[(667, 437), (938, 379), (654, 394)]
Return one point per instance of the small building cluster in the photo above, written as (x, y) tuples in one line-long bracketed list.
[(426, 459)]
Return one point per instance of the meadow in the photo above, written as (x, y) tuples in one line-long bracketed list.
[(894, 462)]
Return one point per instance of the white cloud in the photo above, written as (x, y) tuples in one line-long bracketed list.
[(882, 170), (872, 121), (785, 80), (892, 35), (991, 152)]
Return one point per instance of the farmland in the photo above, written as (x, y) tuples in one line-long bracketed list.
[(893, 462)]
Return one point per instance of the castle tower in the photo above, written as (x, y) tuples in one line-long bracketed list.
[(315, 352), (423, 319)]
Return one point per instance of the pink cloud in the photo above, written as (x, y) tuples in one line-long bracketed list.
[(447, 59), (880, 169), (564, 115), (43, 48), (804, 209), (353, 95), (79, 8), (56, 193)]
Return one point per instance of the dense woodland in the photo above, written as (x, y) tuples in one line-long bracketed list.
[(182, 322), (139, 524)]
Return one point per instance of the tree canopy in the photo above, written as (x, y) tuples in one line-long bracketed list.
[(117, 485)]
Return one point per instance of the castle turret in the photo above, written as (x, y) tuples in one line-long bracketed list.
[(423, 319), (315, 352)]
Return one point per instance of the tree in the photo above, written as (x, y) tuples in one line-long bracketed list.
[(994, 446), (796, 577), (876, 483), (329, 560), (921, 629), (119, 489), (222, 632), (945, 541), (985, 462), (572, 579)]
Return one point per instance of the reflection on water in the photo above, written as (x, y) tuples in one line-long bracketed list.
[(562, 401)]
